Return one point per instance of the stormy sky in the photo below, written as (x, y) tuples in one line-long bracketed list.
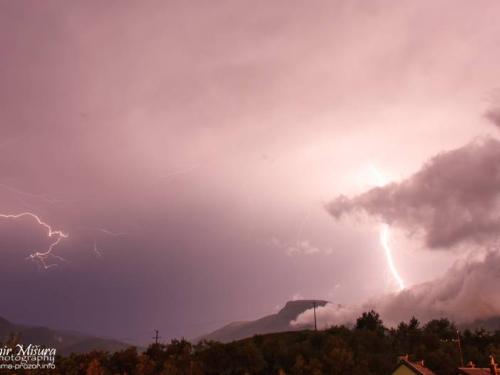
[(200, 155)]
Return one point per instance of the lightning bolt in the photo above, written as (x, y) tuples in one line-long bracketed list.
[(385, 237), (173, 175), (43, 197), (94, 237), (384, 240), (109, 233), (114, 234), (99, 254), (40, 257), (301, 227)]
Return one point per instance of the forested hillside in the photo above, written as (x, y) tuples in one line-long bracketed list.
[(367, 348)]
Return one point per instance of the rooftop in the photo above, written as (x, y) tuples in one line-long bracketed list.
[(416, 367), (474, 371)]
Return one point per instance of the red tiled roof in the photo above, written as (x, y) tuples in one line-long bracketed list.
[(421, 369), (474, 371), (417, 368)]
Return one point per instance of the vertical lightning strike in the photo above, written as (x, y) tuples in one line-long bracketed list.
[(301, 227), (378, 176), (40, 257), (384, 237)]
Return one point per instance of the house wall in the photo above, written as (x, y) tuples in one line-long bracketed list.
[(403, 370)]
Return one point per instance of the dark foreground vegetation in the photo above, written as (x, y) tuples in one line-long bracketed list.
[(367, 348)]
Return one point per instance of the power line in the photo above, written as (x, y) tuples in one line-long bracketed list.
[(314, 307), (156, 337), (460, 349)]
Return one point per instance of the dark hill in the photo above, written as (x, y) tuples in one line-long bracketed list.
[(63, 341), (279, 322)]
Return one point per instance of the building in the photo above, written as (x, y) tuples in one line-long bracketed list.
[(405, 367), (471, 369)]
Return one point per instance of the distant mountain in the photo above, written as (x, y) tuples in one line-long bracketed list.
[(279, 322), (65, 342)]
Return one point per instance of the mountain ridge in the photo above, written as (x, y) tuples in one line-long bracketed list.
[(65, 342), (274, 323)]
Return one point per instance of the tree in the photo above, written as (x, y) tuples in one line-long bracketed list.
[(443, 328), (124, 361), (95, 368), (145, 366), (369, 348), (179, 358), (370, 321), (339, 361), (299, 368), (212, 356), (249, 359), (414, 324)]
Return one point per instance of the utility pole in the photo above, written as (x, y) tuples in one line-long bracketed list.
[(460, 349), (156, 337), (315, 327)]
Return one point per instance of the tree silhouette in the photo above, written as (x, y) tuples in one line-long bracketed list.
[(368, 348), (370, 321)]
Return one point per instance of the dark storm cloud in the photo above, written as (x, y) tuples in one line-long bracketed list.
[(467, 292), (453, 199), (493, 115)]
